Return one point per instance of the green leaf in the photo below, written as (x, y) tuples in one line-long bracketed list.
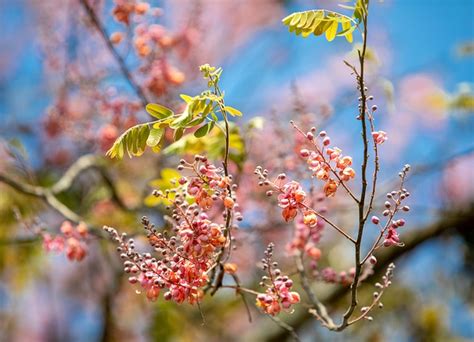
[(232, 111), (296, 18), (178, 133), (155, 136), (181, 121), (346, 7), (186, 98), (204, 130), (319, 22), (321, 27), (331, 31), (347, 30), (302, 22), (158, 111), (133, 141)]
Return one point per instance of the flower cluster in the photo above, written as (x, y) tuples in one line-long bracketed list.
[(291, 196), (189, 250), (72, 240), (291, 199), (329, 275), (208, 184), (152, 43), (278, 294), (393, 206), (125, 9), (327, 164), (307, 234)]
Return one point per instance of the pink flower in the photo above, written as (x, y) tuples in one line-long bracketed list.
[(392, 238), (53, 244), (278, 297), (379, 137), (72, 240), (291, 199)]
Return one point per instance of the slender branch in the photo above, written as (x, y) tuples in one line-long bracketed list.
[(334, 172), (65, 182), (376, 168), (319, 308), (387, 224), (332, 224), (238, 287), (42, 193), (217, 278), (123, 67), (285, 326), (237, 290), (362, 218), (450, 222)]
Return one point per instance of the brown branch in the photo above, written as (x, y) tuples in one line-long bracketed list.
[(65, 182), (217, 275), (49, 194), (43, 193), (376, 168), (319, 308), (450, 223), (361, 203), (123, 67)]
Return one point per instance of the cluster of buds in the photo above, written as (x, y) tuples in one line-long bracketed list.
[(72, 240), (326, 163), (393, 206), (278, 294), (377, 294), (331, 276), (187, 253), (172, 271)]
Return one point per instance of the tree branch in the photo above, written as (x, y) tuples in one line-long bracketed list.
[(123, 67), (452, 222)]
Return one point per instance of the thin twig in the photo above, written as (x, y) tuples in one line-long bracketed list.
[(319, 308), (285, 326)]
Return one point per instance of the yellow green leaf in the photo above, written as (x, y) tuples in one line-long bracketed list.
[(232, 111), (331, 31)]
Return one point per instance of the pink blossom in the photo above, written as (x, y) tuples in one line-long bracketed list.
[(379, 137)]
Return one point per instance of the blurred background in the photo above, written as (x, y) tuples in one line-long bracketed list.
[(74, 74)]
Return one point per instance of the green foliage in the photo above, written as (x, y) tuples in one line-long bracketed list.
[(200, 115), (332, 24), (133, 141), (165, 182), (158, 111), (213, 144)]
